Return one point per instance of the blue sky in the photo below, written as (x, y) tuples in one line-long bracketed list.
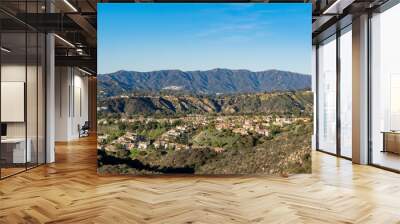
[(257, 37)]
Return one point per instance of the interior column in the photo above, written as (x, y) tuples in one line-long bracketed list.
[(360, 90)]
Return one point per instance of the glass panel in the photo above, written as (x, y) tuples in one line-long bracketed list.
[(32, 87), (346, 93), (314, 89), (13, 79), (385, 84), (31, 98), (327, 96), (23, 90)]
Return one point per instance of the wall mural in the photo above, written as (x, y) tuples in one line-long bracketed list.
[(204, 89)]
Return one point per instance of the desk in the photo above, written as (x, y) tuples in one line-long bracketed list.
[(15, 148), (391, 141)]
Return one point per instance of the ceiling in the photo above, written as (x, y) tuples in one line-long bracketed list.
[(332, 15), (75, 22)]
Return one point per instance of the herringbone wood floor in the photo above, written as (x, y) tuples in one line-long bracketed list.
[(70, 191)]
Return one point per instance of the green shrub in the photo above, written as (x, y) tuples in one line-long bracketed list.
[(134, 152)]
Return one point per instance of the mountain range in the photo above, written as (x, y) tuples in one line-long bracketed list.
[(201, 82)]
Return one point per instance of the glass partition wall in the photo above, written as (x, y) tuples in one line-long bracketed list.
[(22, 98), (385, 89), (334, 93), (13, 123)]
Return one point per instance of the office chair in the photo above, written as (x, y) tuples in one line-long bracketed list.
[(84, 130)]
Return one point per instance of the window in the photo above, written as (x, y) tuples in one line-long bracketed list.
[(385, 89), (346, 92), (327, 95)]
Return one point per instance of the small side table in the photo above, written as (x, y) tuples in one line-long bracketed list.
[(391, 141)]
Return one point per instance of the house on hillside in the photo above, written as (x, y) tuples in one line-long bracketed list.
[(143, 145), (240, 131)]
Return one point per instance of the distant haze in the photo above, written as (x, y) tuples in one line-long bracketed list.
[(190, 37)]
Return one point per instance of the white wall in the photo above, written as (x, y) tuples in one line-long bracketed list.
[(9, 73), (70, 84), (62, 82), (33, 126), (80, 115)]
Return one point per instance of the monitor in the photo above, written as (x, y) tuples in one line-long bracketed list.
[(3, 129)]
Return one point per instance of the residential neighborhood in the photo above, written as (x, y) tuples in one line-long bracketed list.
[(179, 137)]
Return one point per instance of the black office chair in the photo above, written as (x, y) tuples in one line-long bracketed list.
[(84, 130)]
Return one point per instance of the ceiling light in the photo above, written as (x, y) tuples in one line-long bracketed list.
[(70, 5), (79, 51), (5, 50), (65, 41), (86, 72), (337, 7)]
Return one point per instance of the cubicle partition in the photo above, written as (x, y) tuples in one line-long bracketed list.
[(22, 77)]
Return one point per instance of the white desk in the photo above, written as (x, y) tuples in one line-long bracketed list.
[(19, 154)]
